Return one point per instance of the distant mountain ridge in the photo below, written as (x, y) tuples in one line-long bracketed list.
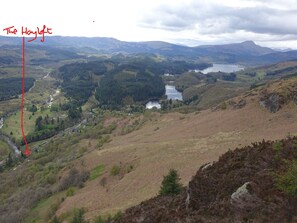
[(247, 47), (246, 52)]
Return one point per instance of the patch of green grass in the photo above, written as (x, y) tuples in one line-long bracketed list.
[(295, 143), (4, 150), (277, 146), (99, 219), (130, 168), (102, 140), (117, 216), (67, 216), (75, 215), (45, 209), (12, 123), (9, 106), (96, 172), (223, 106), (260, 75), (125, 74), (288, 182), (132, 127), (40, 93), (82, 150), (103, 219), (70, 192), (115, 170)]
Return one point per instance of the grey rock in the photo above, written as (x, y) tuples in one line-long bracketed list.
[(240, 104), (272, 103), (242, 198), (295, 98), (207, 165)]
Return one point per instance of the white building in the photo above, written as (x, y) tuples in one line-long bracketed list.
[(153, 104)]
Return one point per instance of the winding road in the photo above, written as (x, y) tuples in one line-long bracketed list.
[(11, 144), (1, 123)]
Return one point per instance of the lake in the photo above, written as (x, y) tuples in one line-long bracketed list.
[(227, 68), (171, 93)]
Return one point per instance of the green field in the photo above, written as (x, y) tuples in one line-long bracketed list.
[(4, 150), (35, 72), (46, 208), (9, 106), (96, 172), (39, 95), (12, 125)]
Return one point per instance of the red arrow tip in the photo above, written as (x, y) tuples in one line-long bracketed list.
[(27, 152)]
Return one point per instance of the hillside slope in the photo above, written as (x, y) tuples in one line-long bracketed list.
[(173, 140), (116, 160), (247, 47), (241, 186)]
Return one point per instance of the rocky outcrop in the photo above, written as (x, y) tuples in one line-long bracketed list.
[(295, 98), (273, 102), (207, 165), (274, 97), (244, 198), (237, 105), (240, 186)]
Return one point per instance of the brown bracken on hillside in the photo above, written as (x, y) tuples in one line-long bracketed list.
[(242, 186)]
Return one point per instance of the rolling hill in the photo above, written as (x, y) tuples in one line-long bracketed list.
[(244, 48), (111, 160), (246, 52), (184, 142)]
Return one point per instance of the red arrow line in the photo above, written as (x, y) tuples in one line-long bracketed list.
[(27, 151)]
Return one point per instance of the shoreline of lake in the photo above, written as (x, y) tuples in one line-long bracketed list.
[(171, 93), (226, 68)]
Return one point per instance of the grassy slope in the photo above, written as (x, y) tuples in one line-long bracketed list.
[(143, 156), (172, 140), (270, 168), (45, 208), (262, 71), (4, 150), (213, 94), (184, 142)]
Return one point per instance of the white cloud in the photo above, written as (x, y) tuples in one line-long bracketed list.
[(181, 21)]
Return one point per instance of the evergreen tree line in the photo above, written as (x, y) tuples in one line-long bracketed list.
[(12, 87), (80, 79)]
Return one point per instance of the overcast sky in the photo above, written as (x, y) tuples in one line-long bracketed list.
[(270, 23)]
